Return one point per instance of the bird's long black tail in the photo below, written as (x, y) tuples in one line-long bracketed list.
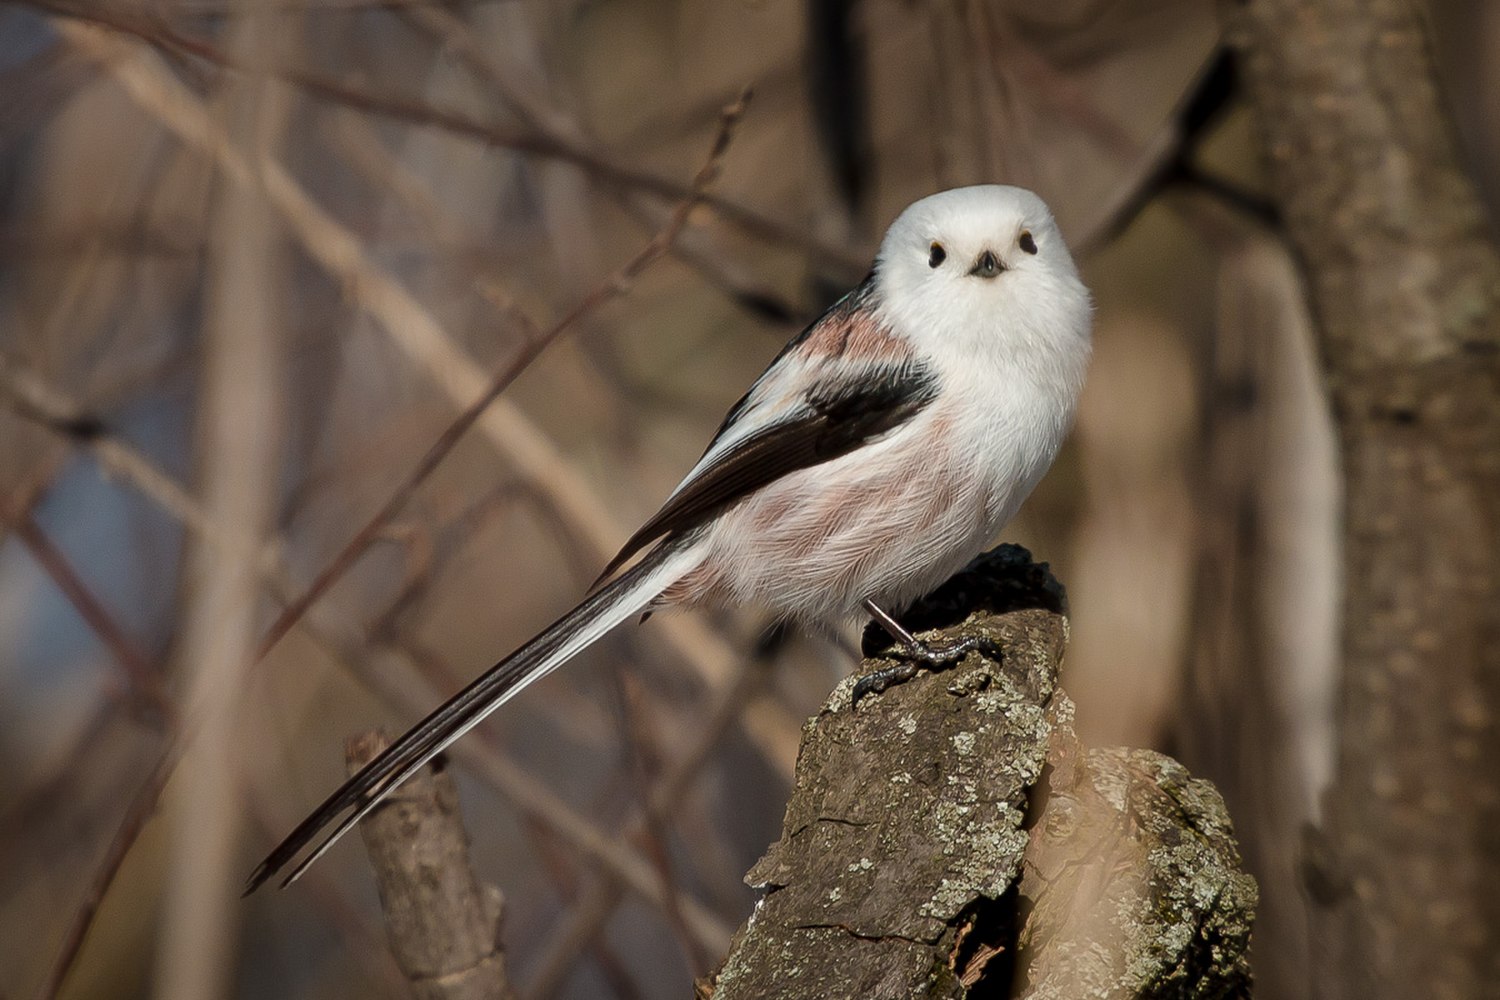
[(601, 611)]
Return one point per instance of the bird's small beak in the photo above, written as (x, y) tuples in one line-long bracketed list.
[(987, 266)]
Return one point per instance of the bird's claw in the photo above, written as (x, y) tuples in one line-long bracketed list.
[(932, 656)]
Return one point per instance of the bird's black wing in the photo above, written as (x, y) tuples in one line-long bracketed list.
[(833, 417)]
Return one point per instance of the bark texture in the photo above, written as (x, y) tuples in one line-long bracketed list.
[(914, 816), (442, 924), (1405, 282)]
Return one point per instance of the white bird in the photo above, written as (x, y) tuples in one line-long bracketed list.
[(883, 448)]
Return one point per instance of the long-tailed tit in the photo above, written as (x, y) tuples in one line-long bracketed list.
[(882, 449)]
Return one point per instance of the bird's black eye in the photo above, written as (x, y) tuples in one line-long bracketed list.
[(1027, 243), (936, 255)]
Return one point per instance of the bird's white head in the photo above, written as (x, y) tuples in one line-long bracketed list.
[(983, 271)]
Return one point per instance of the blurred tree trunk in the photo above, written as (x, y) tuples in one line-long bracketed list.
[(1255, 709), (1404, 877)]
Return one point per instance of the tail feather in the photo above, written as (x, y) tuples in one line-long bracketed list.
[(601, 611)]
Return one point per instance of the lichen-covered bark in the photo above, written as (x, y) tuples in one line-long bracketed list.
[(1133, 878), (950, 835), (1405, 284)]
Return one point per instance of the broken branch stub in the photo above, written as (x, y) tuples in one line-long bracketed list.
[(441, 922), (950, 838)]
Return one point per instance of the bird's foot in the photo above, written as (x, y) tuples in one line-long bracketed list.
[(919, 655)]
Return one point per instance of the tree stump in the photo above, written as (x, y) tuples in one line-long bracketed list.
[(950, 838)]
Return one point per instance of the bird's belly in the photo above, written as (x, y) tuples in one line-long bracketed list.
[(889, 523)]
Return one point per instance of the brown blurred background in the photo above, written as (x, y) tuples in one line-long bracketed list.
[(254, 259)]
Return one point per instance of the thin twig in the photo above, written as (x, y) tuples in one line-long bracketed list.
[(371, 158), (142, 807), (655, 835), (566, 881), (143, 679), (591, 911), (412, 326), (531, 796), (32, 805), (616, 284), (459, 37), (156, 32), (416, 331), (349, 644), (29, 396), (194, 130), (770, 727)]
